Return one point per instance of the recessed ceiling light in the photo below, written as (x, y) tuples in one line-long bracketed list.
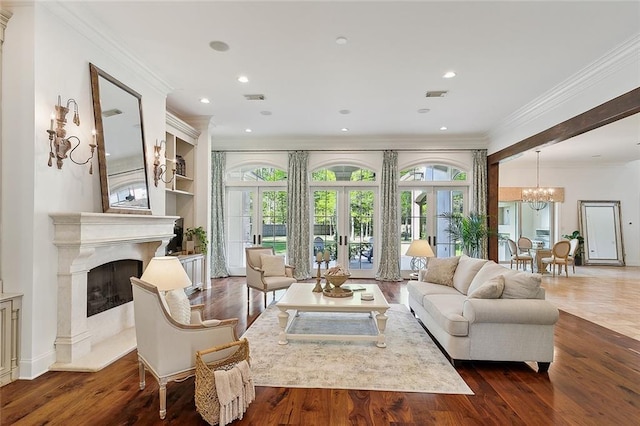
[(341, 40), (219, 46), (423, 110), (243, 79), (344, 129), (449, 74), (205, 100), (344, 111), (265, 112), (443, 128), (248, 130)]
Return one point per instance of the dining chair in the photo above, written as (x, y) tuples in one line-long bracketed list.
[(572, 253), (559, 257), (525, 245), (518, 257)]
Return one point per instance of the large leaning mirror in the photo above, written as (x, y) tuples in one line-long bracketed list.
[(600, 225), (117, 111)]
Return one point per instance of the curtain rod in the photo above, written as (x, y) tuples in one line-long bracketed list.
[(349, 150)]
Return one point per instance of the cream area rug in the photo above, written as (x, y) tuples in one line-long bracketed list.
[(411, 362)]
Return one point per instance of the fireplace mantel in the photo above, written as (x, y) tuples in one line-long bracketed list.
[(84, 241)]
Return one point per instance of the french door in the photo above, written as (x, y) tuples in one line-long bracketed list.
[(343, 225), (255, 216), (420, 210)]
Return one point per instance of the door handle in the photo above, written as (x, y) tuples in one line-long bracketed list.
[(254, 239), (340, 243), (259, 239), (429, 239), (434, 241)]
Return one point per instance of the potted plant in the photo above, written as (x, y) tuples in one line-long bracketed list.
[(469, 231), (198, 235), (577, 257)]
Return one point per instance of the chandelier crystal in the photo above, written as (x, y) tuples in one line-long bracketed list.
[(537, 197)]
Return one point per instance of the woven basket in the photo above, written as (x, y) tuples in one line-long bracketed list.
[(206, 395)]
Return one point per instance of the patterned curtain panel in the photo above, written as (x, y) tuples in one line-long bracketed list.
[(298, 214), (218, 237), (389, 269), (480, 190)]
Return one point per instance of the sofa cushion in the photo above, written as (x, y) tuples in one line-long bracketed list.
[(467, 268), (446, 311), (489, 270), (441, 270), (273, 266), (418, 289), (521, 285), (492, 289)]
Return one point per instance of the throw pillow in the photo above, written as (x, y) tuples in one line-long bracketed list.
[(441, 270), (179, 306), (490, 270), (468, 268), (273, 266), (492, 289), (522, 285)]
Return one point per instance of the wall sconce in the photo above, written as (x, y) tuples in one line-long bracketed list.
[(160, 170), (59, 144)]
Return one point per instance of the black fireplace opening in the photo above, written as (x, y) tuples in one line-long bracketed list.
[(109, 286)]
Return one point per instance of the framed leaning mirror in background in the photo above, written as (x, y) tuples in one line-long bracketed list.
[(600, 226), (117, 111)]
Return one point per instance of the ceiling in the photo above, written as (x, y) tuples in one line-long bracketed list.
[(505, 55)]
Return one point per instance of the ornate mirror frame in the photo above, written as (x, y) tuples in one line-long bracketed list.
[(600, 225), (119, 136)]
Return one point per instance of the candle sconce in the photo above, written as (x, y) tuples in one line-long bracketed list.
[(160, 170), (59, 143)]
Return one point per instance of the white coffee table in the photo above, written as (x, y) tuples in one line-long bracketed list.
[(300, 298)]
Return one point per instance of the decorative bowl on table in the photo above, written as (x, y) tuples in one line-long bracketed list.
[(337, 280), (335, 277)]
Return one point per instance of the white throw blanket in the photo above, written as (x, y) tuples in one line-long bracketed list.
[(235, 391)]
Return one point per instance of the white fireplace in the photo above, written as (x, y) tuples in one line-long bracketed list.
[(85, 241)]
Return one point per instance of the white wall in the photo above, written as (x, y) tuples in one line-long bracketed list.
[(617, 182), (44, 57)]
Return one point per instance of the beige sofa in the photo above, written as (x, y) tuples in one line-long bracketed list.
[(479, 310)]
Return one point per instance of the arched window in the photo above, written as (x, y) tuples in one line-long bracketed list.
[(253, 173), (432, 173), (342, 174)]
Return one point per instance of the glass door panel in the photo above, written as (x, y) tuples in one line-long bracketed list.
[(359, 243), (343, 225), (274, 220), (243, 216), (325, 220), (240, 232), (419, 219)]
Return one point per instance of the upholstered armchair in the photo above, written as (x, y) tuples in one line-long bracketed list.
[(167, 347), (266, 271)]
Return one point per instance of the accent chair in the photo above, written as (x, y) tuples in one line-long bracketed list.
[(167, 348), (267, 272)]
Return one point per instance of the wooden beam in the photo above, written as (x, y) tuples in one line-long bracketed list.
[(616, 109)]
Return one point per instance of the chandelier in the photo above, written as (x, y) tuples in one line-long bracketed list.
[(537, 197)]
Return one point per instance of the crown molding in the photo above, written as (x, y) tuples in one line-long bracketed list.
[(5, 15), (182, 126), (77, 17), (373, 143), (623, 55)]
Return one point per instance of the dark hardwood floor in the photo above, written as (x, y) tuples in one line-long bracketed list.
[(595, 380)]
